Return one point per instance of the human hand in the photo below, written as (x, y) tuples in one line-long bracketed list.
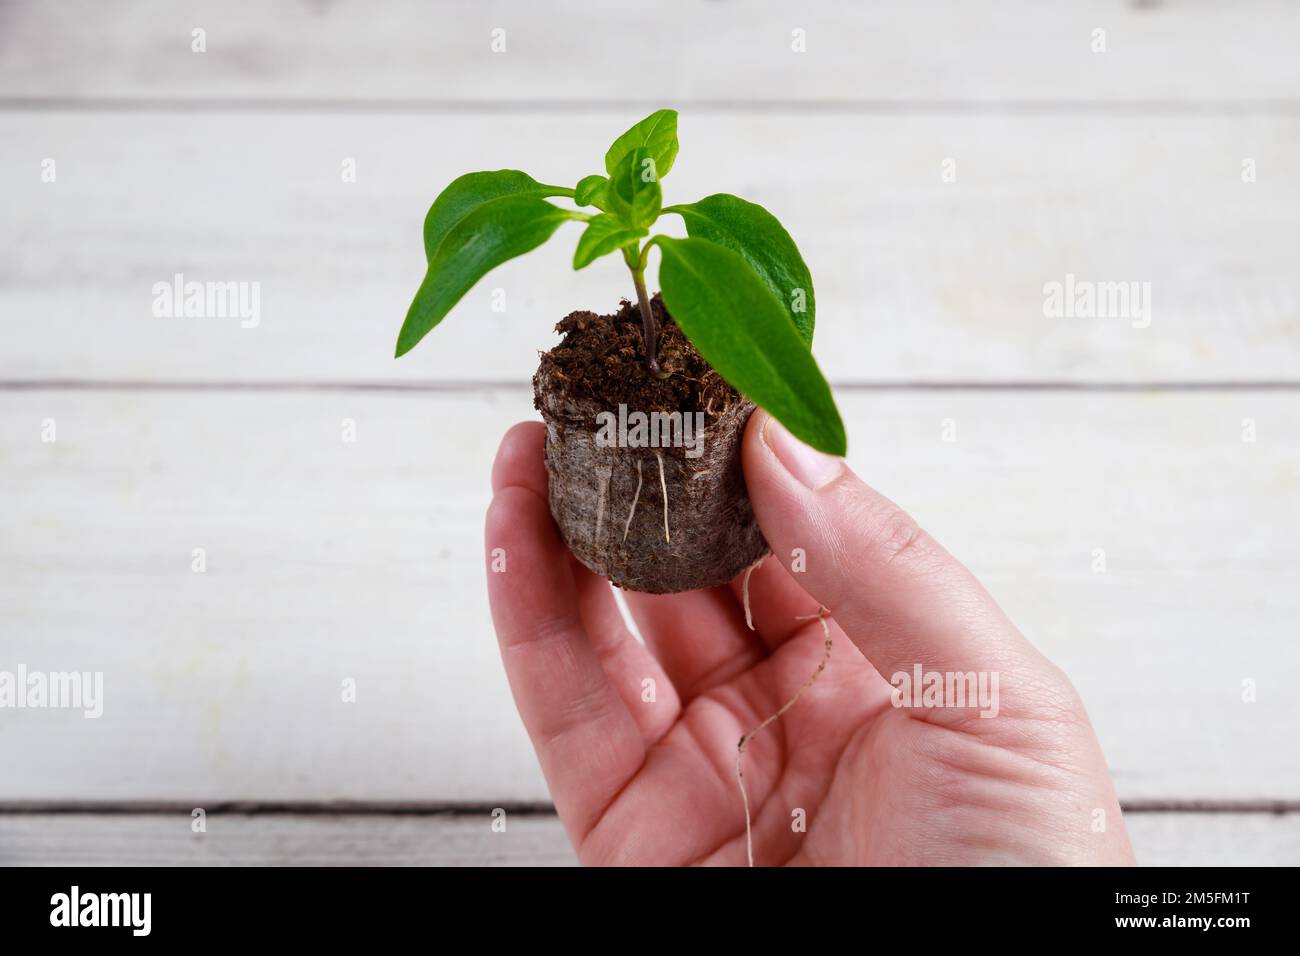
[(654, 782)]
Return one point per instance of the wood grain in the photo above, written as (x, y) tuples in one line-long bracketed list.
[(328, 560), (917, 280), (237, 840), (1160, 839), (441, 53)]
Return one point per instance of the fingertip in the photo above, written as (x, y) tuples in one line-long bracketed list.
[(755, 455), (520, 459), (772, 490), (518, 516), (503, 513), (506, 516), (528, 579), (754, 430)]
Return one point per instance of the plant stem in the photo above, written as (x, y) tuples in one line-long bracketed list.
[(649, 333)]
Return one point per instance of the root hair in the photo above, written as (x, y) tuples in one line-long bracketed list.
[(744, 593), (635, 498), (740, 747), (663, 485)]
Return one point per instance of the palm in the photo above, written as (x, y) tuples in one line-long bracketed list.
[(843, 778), (685, 803)]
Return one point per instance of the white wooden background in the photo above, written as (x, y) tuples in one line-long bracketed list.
[(329, 560)]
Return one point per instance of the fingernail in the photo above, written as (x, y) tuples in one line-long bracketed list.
[(810, 468)]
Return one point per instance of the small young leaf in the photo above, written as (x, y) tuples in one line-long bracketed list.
[(741, 329), (752, 231), (590, 191), (493, 232), (657, 133), (604, 234), (468, 192), (635, 195)]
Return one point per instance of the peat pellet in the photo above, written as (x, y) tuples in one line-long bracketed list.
[(645, 476)]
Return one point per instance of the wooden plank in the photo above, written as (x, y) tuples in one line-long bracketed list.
[(314, 840), (409, 50), (328, 560), (917, 279), (1159, 839), (1215, 839)]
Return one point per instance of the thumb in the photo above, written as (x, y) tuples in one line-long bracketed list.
[(898, 595)]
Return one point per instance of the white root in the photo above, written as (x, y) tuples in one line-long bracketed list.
[(740, 747), (663, 485), (744, 593), (636, 497)]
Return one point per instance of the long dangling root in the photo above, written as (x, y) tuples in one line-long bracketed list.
[(744, 593), (740, 747), (663, 485), (635, 498)]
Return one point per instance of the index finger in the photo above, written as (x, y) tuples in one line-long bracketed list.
[(586, 740)]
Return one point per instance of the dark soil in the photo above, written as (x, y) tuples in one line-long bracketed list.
[(603, 357), (609, 501)]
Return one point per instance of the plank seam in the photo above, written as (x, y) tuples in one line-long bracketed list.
[(482, 808), (1280, 108)]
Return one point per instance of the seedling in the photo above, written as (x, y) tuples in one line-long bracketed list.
[(737, 287)]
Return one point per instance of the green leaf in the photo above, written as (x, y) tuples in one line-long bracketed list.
[(727, 311), (604, 234), (635, 195), (493, 232), (753, 232), (590, 191), (467, 193), (657, 133)]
